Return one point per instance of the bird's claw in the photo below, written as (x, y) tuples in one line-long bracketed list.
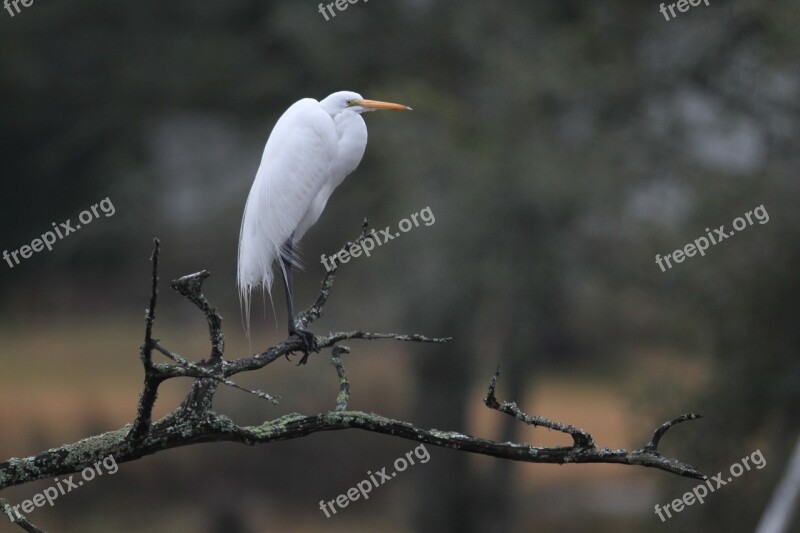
[(309, 344)]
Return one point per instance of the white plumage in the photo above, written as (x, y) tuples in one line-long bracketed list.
[(312, 148)]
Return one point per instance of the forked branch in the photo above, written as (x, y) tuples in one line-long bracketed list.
[(195, 421)]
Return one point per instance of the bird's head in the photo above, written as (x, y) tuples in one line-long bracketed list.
[(342, 100)]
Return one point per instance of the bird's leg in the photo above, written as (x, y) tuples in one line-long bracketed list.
[(308, 339)]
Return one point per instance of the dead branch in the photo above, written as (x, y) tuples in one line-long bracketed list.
[(195, 421)]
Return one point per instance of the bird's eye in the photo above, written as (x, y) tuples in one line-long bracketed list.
[(349, 102)]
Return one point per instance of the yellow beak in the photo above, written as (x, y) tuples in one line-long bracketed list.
[(376, 105)]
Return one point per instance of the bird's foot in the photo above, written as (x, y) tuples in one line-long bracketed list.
[(308, 341)]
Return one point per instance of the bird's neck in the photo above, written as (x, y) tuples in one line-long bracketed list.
[(352, 141)]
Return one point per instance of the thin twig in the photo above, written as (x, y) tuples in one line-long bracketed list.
[(198, 371), (150, 315), (191, 287), (333, 338), (18, 518), (344, 385), (152, 379), (652, 446), (580, 438), (306, 317)]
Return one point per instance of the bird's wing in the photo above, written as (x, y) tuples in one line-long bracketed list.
[(296, 164)]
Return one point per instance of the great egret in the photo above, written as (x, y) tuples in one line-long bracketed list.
[(312, 148)]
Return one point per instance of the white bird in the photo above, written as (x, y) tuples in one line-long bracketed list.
[(311, 150)]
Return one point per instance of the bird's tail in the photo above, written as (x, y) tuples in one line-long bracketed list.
[(255, 269)]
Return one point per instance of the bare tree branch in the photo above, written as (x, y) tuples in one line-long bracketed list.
[(194, 421), (580, 438), (344, 385), (17, 518), (663, 428), (152, 379)]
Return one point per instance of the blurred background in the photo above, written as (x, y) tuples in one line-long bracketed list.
[(560, 146)]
